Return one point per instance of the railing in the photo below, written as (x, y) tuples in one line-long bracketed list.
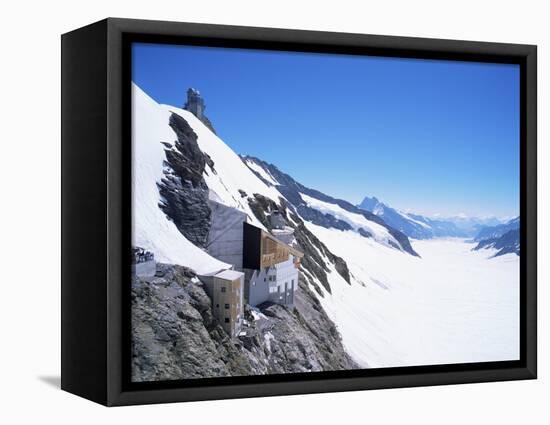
[(273, 258), (139, 255)]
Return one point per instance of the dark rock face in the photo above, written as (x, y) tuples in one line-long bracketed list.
[(403, 241), (508, 243), (183, 189), (369, 204), (494, 232), (167, 326), (364, 233), (206, 121), (291, 190), (305, 339), (176, 336), (325, 220), (504, 237)]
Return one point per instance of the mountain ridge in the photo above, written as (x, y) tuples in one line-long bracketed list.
[(492, 232), (504, 238), (293, 191), (418, 226)]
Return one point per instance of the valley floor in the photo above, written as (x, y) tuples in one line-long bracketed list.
[(452, 305)]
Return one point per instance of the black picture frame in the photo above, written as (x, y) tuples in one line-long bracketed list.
[(96, 211)]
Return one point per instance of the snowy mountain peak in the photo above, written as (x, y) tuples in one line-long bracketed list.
[(423, 227), (369, 204)]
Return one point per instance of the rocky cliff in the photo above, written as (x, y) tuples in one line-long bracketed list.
[(183, 188), (176, 336), (508, 243)]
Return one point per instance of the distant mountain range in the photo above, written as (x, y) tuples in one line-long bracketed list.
[(421, 227), (488, 232), (494, 232)]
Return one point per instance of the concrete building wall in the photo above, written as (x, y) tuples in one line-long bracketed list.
[(256, 286), (227, 295), (275, 284), (225, 239), (208, 282), (227, 303), (286, 283)]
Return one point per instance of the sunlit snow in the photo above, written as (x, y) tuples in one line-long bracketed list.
[(151, 229), (452, 305), (263, 173), (380, 233), (231, 174)]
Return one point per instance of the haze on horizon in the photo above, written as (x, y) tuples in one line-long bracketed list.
[(425, 136)]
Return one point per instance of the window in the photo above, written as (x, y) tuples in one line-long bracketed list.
[(217, 306), (223, 288), (227, 320), (227, 306)]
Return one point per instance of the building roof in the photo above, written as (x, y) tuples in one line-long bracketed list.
[(229, 275), (293, 251)]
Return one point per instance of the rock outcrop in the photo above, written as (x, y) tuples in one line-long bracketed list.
[(183, 189), (176, 336), (495, 232), (508, 243)]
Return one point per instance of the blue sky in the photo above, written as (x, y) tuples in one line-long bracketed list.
[(433, 137)]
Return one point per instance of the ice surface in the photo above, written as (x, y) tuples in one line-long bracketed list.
[(452, 305)]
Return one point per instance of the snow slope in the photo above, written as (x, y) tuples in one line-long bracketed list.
[(230, 175), (263, 173), (356, 221), (150, 227), (451, 305)]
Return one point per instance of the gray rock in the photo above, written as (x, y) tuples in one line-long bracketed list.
[(507, 243), (183, 189), (175, 335)]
